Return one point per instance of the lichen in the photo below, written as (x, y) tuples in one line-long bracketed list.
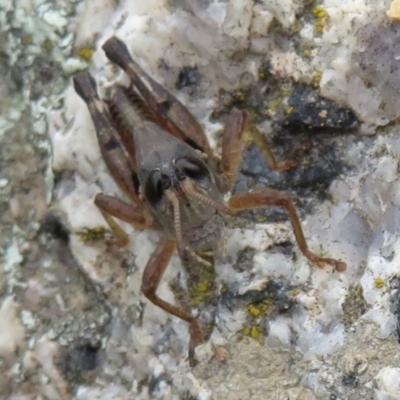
[(315, 79), (92, 234), (321, 18), (27, 40), (255, 332), (379, 283), (86, 53), (354, 305), (47, 45)]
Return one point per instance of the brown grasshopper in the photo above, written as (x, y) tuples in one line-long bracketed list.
[(160, 157)]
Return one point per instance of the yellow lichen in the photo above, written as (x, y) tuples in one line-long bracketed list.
[(203, 286), (256, 309), (253, 310), (273, 106), (379, 283), (27, 40), (246, 331), (200, 290), (247, 138), (285, 90), (319, 12), (315, 80), (92, 234), (288, 110), (47, 45), (86, 53), (321, 16), (255, 332), (239, 95)]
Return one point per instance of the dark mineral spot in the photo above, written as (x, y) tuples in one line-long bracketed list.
[(350, 380), (156, 383), (278, 292), (79, 360), (285, 247), (188, 77), (311, 111), (54, 226), (307, 181)]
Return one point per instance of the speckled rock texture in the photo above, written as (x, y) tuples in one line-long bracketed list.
[(73, 321)]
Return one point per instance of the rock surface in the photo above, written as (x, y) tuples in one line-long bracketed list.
[(73, 323)]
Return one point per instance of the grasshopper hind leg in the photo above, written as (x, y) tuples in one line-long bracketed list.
[(115, 151)]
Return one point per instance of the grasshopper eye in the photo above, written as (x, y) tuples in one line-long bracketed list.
[(191, 168), (155, 187)]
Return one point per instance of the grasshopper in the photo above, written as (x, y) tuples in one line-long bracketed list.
[(159, 156)]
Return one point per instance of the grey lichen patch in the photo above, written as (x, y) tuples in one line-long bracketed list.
[(244, 260), (354, 306), (55, 305), (375, 66)]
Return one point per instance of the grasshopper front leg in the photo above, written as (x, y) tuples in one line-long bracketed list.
[(275, 198), (237, 125)]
